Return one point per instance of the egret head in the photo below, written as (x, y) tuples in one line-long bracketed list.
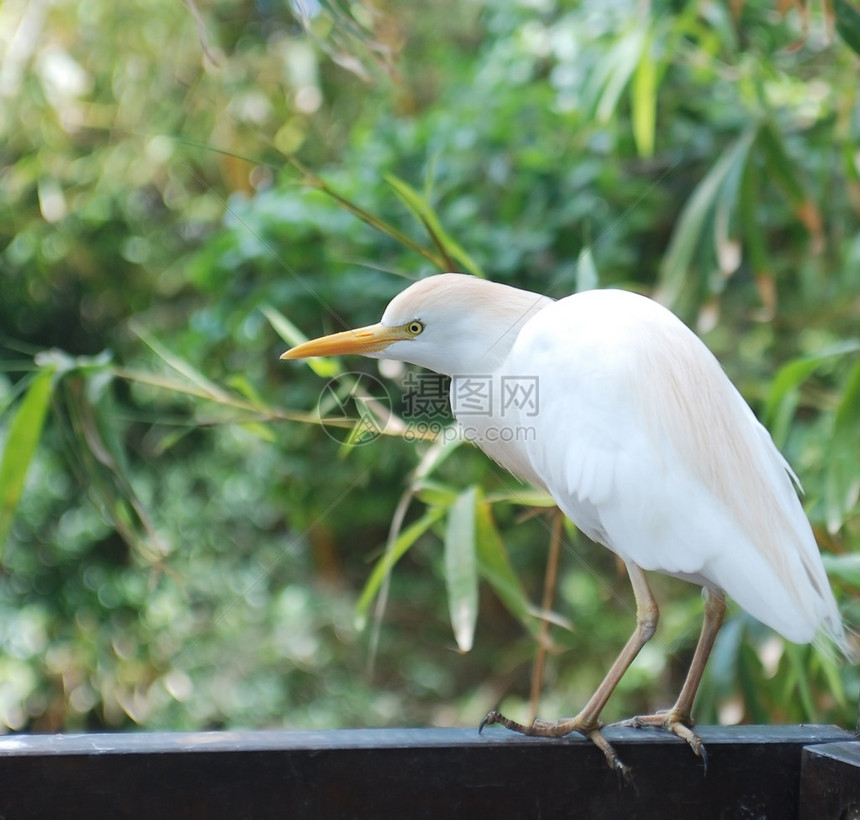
[(450, 323)]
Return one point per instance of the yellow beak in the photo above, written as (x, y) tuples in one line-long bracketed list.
[(360, 341)]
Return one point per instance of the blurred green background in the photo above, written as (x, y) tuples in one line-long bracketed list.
[(184, 547)]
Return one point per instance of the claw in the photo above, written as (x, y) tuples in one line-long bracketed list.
[(497, 717), (678, 725), (560, 728), (703, 753), (489, 719), (625, 776)]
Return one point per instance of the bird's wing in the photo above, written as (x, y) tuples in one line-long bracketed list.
[(648, 447)]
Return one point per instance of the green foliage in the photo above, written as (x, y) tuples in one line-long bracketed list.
[(186, 546), (461, 568), (848, 23), (24, 433)]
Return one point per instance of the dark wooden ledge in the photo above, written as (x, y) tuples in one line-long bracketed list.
[(753, 771)]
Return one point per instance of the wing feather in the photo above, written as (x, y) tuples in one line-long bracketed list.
[(649, 448)]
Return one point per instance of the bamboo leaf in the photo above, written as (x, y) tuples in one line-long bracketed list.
[(323, 367), (755, 246), (784, 394), (587, 277), (835, 684), (848, 23), (434, 494), (694, 218), (797, 659), (728, 201), (842, 480), (239, 382), (619, 63), (643, 101), (314, 181), (495, 567), (93, 437), (183, 367), (844, 567), (388, 561), (437, 453), (784, 390), (524, 497), (461, 568), (749, 676), (425, 214), (22, 438), (242, 386), (779, 163), (261, 431), (784, 171)]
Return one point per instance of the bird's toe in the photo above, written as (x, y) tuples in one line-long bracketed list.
[(675, 722)]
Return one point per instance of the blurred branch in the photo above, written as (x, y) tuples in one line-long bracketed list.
[(312, 180)]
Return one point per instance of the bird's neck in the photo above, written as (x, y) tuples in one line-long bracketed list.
[(493, 330)]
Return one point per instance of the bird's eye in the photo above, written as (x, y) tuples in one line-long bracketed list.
[(414, 328)]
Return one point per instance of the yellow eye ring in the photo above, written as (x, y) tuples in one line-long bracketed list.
[(414, 328)]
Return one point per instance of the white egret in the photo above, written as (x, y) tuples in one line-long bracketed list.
[(642, 441)]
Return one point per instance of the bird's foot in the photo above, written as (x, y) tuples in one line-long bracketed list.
[(676, 722), (559, 728)]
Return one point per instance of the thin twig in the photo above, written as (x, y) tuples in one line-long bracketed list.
[(548, 596)]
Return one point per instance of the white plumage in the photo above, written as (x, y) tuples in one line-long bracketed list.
[(647, 446), (641, 439)]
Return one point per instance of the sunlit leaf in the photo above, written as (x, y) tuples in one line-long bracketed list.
[(239, 382), (644, 101), (22, 437), (434, 494), (461, 568), (525, 497)]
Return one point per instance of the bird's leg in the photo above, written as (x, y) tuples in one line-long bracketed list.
[(678, 719), (587, 722)]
